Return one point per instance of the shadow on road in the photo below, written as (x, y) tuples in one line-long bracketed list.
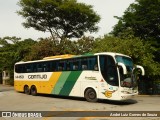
[(126, 102)]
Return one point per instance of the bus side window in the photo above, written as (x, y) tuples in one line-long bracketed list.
[(84, 63), (93, 63), (68, 65), (64, 65), (18, 68), (28, 68), (45, 67), (24, 69), (40, 68), (61, 65), (48, 67), (76, 64), (102, 63), (53, 66), (34, 67)]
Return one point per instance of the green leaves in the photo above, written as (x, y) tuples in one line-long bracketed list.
[(141, 53), (62, 18), (13, 50), (142, 19), (49, 47)]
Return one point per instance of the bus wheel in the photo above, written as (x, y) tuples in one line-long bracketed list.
[(90, 95), (33, 90), (26, 89)]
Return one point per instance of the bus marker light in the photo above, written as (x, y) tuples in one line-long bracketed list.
[(102, 80)]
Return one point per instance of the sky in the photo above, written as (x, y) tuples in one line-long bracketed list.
[(11, 22)]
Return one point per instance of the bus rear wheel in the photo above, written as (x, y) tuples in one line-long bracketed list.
[(90, 95), (26, 89), (33, 90)]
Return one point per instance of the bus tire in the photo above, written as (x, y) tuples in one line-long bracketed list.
[(26, 89), (33, 90), (90, 95)]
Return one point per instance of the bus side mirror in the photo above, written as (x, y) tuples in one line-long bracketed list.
[(123, 67), (141, 68)]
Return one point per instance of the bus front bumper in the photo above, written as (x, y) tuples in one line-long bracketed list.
[(128, 96)]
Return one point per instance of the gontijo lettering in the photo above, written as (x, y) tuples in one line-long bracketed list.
[(37, 76)]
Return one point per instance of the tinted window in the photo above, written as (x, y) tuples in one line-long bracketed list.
[(93, 65), (85, 63), (76, 64), (61, 66), (109, 70)]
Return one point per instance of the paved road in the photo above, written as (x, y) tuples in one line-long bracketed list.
[(11, 100)]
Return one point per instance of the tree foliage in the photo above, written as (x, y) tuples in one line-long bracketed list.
[(141, 53), (142, 18), (12, 50), (49, 47), (43, 48), (62, 18), (85, 45)]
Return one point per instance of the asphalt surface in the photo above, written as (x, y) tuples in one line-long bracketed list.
[(11, 100)]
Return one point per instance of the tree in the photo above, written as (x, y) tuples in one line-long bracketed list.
[(141, 53), (62, 18), (67, 47), (143, 18), (7, 52), (24, 48), (43, 48), (84, 45), (12, 50)]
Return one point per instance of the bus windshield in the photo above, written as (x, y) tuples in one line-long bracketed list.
[(128, 80), (125, 60)]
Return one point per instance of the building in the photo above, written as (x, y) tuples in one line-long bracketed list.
[(5, 77)]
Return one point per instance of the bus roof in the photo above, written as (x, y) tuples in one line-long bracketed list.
[(67, 56), (59, 56), (112, 54)]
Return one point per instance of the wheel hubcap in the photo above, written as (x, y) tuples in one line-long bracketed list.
[(91, 95)]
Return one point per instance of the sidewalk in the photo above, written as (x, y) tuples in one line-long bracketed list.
[(6, 87)]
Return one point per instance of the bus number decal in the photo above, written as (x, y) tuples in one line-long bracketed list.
[(19, 76)]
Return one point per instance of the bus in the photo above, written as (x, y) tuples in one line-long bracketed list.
[(105, 75)]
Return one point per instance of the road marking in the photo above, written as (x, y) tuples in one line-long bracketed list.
[(90, 118), (87, 118), (52, 109)]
